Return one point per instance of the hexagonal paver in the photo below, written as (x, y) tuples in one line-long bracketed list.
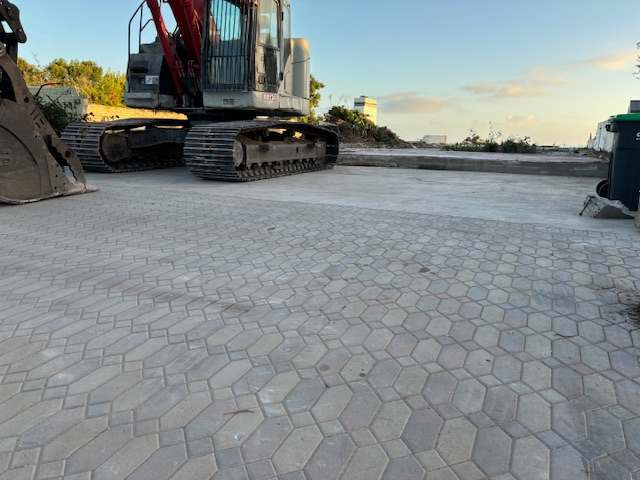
[(440, 388), (456, 440), (492, 451), (305, 340), (534, 413), (421, 432), (391, 421), (531, 459)]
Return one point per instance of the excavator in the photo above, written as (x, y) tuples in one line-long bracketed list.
[(34, 163), (230, 66), (234, 70)]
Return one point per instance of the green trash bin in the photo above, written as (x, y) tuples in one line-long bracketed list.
[(623, 179)]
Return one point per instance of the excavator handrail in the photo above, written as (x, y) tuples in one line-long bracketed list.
[(189, 16), (166, 43)]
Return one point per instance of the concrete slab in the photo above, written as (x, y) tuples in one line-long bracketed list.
[(436, 159), (355, 323), (553, 201)]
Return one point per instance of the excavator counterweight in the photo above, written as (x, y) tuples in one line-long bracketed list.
[(32, 156)]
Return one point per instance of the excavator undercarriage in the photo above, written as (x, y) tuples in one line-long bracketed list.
[(33, 159), (235, 151)]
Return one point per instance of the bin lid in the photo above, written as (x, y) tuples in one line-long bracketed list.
[(626, 117)]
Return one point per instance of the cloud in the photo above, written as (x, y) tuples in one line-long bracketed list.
[(545, 76), (521, 119), (483, 88), (507, 90), (535, 82), (515, 90), (410, 102), (618, 61)]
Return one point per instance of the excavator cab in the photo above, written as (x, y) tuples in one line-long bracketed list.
[(33, 159), (236, 60)]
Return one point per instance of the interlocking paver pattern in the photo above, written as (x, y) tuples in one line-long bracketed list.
[(159, 333)]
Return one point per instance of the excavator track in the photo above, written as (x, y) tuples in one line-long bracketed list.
[(127, 145), (242, 151)]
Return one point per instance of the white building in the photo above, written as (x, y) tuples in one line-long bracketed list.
[(368, 106), (434, 139), (603, 141), (61, 95)]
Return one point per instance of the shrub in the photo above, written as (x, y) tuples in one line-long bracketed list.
[(473, 143), (354, 126), (59, 114)]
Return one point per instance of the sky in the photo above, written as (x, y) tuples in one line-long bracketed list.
[(550, 70)]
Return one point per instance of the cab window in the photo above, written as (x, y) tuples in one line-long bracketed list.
[(268, 22)]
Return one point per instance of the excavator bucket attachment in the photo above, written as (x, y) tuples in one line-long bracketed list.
[(32, 156)]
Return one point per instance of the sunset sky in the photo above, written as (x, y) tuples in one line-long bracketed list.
[(549, 70)]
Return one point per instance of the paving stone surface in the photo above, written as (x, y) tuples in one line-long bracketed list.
[(164, 333)]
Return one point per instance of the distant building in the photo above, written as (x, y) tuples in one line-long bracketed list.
[(61, 95), (434, 139), (603, 140), (368, 106)]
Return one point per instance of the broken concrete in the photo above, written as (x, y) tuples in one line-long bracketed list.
[(599, 207)]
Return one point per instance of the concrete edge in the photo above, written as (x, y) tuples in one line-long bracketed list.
[(564, 168)]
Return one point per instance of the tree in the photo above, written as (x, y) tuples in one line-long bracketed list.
[(316, 86), (86, 76), (32, 74), (89, 79), (314, 101), (109, 90)]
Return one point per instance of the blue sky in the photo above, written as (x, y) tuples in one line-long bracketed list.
[(550, 70)]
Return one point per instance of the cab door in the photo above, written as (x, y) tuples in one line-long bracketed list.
[(268, 62)]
